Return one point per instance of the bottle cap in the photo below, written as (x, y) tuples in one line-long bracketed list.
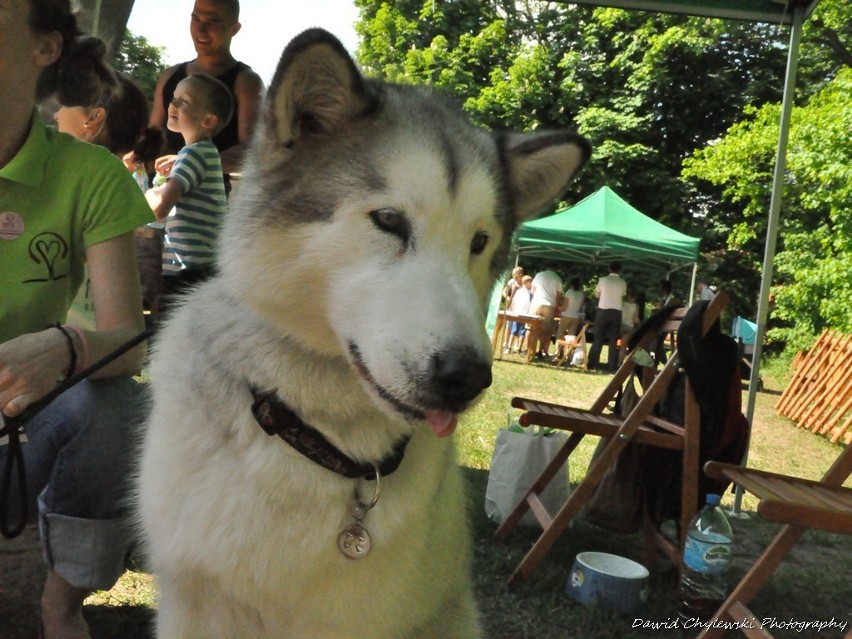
[(713, 499)]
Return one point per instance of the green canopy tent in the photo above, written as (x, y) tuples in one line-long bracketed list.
[(603, 228), (598, 230)]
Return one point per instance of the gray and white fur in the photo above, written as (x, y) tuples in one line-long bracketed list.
[(354, 270)]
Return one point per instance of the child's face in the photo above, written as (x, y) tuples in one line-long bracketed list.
[(186, 111)]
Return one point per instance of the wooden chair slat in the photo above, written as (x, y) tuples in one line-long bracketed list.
[(800, 504), (639, 427)]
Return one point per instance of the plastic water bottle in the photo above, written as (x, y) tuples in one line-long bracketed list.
[(141, 178), (159, 179), (706, 559)]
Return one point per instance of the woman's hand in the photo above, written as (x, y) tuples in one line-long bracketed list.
[(30, 366), (130, 161)]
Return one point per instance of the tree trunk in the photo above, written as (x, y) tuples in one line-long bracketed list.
[(106, 19)]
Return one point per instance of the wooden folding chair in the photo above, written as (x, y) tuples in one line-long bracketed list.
[(801, 505), (568, 346), (639, 426)]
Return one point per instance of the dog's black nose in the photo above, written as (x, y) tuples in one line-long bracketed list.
[(459, 376)]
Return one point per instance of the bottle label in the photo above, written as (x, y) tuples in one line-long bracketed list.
[(710, 555)]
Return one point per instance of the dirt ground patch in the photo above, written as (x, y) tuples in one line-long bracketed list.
[(117, 614)]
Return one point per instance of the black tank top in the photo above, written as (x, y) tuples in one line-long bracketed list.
[(227, 137)]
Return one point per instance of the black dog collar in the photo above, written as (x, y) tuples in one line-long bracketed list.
[(276, 418)]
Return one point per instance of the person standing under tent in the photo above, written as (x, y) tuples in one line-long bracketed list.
[(520, 305), (610, 292), (572, 307), (547, 297), (630, 319), (509, 290), (705, 292)]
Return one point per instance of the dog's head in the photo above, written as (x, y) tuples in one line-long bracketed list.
[(373, 220)]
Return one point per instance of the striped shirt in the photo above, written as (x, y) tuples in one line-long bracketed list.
[(193, 225)]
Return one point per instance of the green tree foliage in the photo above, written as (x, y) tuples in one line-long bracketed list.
[(141, 60), (647, 89), (813, 287), (827, 44)]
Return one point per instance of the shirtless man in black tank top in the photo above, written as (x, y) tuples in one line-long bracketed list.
[(214, 23)]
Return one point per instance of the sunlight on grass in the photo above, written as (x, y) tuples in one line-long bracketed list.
[(479, 426), (776, 445), (132, 589)]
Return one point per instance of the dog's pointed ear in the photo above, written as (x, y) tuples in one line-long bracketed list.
[(316, 88), (540, 167)]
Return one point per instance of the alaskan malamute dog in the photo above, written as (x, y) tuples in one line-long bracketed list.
[(298, 480)]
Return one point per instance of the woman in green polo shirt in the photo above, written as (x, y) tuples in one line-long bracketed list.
[(64, 204)]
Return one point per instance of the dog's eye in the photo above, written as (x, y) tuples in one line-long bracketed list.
[(477, 244), (393, 222)]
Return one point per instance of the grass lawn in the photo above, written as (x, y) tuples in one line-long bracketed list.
[(815, 583)]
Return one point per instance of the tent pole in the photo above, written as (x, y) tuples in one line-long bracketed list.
[(772, 224), (96, 22), (692, 284)]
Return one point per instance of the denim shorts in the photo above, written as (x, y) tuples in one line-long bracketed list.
[(79, 454)]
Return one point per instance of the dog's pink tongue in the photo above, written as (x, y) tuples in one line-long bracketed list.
[(441, 422)]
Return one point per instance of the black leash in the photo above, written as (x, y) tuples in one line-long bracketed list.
[(14, 457), (13, 428)]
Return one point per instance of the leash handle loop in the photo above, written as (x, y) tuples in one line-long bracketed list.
[(14, 458), (13, 429)]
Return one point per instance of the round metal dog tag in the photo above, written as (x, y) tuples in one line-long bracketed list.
[(354, 541)]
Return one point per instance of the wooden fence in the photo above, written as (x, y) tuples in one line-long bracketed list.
[(819, 397)]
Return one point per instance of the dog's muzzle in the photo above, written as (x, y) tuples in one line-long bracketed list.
[(444, 387), (456, 378)]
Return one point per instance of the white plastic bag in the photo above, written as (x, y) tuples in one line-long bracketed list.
[(518, 459)]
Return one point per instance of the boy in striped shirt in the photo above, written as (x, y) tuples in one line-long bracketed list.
[(195, 188)]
